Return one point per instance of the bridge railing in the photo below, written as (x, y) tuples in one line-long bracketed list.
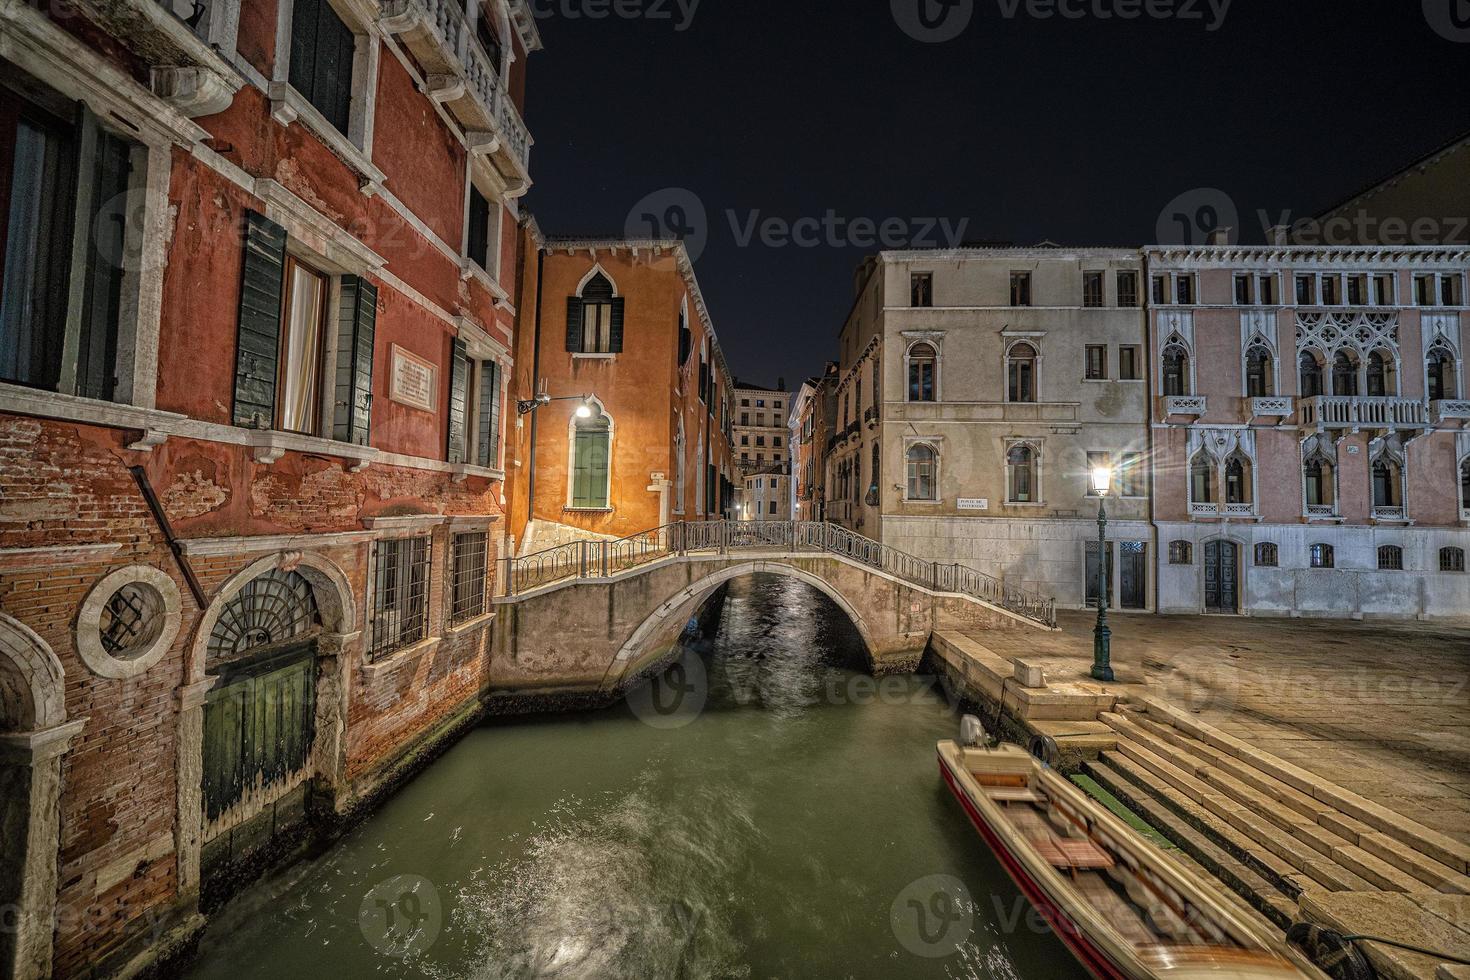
[(602, 558)]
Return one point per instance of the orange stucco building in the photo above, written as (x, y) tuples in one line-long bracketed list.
[(637, 431)]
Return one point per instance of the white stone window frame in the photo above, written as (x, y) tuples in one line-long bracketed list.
[(1329, 458), (1436, 280), (288, 105), (612, 426), (1457, 365), (1398, 458), (45, 52), (482, 349), (1037, 462), (593, 273), (320, 243), (1178, 340), (912, 339), (482, 177), (935, 444), (1012, 341), (89, 623)]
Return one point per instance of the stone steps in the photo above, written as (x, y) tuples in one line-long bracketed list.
[(1261, 894)]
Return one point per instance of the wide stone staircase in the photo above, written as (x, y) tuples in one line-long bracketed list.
[(1287, 841)]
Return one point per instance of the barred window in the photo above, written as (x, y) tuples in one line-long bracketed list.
[(400, 593), (1452, 559), (1323, 556), (1181, 553), (469, 578), (1391, 558), (1266, 556)]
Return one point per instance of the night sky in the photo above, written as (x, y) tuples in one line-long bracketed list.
[(1018, 130)]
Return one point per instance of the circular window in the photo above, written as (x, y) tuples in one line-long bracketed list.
[(128, 621)]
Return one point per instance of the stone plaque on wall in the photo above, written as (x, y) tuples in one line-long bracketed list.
[(971, 503), (413, 380)]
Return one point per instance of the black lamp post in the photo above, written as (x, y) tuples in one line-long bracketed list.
[(529, 405), (1102, 667)]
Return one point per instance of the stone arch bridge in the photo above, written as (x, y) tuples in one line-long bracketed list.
[(589, 617)]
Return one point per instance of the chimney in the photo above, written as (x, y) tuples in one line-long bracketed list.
[(780, 384), (1220, 236)]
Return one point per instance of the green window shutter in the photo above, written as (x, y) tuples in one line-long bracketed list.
[(458, 383), (489, 436), (574, 323), (616, 333), (358, 323), (589, 470), (104, 241), (258, 344)]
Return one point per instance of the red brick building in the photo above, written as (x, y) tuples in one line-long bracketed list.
[(623, 322), (257, 312)]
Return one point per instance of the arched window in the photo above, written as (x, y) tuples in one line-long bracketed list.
[(1021, 368), (1344, 374), (1382, 379), (1319, 482), (1452, 559), (270, 609), (873, 488), (679, 467), (1310, 372), (591, 462), (1465, 484), (1176, 370), (1391, 558), (1323, 556), (1441, 365), (1237, 480), (1181, 553), (595, 319), (1387, 490), (923, 362), (1021, 482), (1201, 480), (1259, 382), (1266, 555), (923, 465)]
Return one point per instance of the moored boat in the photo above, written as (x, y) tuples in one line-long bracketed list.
[(1122, 906)]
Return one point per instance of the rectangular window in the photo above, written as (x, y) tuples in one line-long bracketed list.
[(400, 593), (921, 289), (1184, 289), (1306, 290), (1424, 290), (1450, 291), (1266, 293), (1092, 289), (1322, 556), (1129, 359), (1097, 362), (322, 50), (303, 328), (1161, 290), (1383, 292), (482, 244), (1020, 289), (1357, 290), (61, 268), (469, 576), (1130, 475), (1330, 291), (597, 328), (1244, 291), (1128, 289)]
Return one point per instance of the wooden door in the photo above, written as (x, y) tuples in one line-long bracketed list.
[(1221, 577)]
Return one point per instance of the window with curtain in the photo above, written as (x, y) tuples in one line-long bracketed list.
[(922, 363), (597, 309), (1021, 371), (591, 453), (922, 465), (303, 330)]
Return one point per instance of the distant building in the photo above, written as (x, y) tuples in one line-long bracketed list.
[(623, 330), (765, 495), (759, 426), (1425, 203), (809, 424)]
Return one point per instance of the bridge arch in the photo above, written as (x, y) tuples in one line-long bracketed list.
[(662, 626)]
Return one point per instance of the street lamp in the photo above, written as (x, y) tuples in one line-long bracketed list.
[(1102, 668), (529, 405)]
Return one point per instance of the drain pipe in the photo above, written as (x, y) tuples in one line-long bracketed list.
[(1147, 288), (140, 477), (535, 380)]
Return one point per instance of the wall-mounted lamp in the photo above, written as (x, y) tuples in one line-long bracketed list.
[(529, 405)]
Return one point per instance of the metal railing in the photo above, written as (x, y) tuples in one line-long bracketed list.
[(601, 559)]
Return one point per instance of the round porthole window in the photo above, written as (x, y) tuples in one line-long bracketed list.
[(128, 621)]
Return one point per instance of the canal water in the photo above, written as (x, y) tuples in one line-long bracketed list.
[(764, 809)]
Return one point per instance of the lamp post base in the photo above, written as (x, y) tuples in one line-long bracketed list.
[(1102, 667)]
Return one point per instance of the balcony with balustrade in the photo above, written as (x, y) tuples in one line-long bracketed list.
[(1447, 411), (1185, 405), (464, 78), (1272, 407), (1353, 412)]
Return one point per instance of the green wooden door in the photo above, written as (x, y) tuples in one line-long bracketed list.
[(258, 727), (589, 477)]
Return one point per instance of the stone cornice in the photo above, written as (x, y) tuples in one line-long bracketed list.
[(1347, 255)]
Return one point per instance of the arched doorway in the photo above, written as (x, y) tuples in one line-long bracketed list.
[(34, 734)]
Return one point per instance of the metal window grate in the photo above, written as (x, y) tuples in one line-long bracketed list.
[(468, 588), (400, 593), (132, 618), (271, 608)]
